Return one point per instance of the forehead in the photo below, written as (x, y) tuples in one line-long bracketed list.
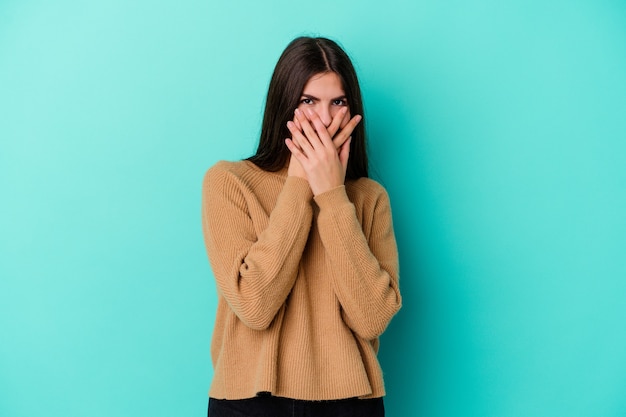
[(324, 82)]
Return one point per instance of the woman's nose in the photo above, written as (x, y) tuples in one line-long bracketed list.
[(325, 116)]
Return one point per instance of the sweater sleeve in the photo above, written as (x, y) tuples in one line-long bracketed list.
[(254, 271), (365, 270)]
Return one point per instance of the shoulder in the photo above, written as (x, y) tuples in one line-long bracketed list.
[(371, 203), (234, 168), (224, 178), (228, 181), (229, 171), (366, 192)]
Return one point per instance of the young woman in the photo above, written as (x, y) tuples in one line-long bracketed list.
[(303, 251)]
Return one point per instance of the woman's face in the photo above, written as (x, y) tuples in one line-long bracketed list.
[(324, 94)]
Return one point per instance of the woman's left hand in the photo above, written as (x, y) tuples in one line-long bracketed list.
[(323, 158)]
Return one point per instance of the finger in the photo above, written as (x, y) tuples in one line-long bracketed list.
[(294, 143), (299, 139), (320, 128), (307, 129), (337, 121), (295, 151), (297, 123), (344, 153), (347, 130), (298, 127)]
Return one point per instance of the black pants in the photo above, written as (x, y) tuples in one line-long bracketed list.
[(268, 406)]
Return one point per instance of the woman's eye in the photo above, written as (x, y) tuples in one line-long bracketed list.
[(340, 102), (306, 101)]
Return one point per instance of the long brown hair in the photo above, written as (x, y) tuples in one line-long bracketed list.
[(303, 58)]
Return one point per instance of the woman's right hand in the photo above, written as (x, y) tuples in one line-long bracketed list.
[(340, 120), (316, 151), (295, 168)]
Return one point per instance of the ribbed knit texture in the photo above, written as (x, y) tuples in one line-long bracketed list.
[(305, 285)]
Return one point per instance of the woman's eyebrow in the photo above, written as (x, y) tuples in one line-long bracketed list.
[(309, 96)]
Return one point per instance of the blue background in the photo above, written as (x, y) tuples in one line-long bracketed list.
[(498, 128)]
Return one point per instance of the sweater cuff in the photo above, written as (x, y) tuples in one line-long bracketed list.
[(298, 188), (332, 198)]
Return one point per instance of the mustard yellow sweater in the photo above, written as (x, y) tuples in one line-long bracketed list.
[(306, 285)]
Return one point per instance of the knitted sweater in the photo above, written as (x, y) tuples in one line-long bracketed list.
[(306, 285)]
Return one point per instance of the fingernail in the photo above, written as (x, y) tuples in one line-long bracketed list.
[(296, 111)]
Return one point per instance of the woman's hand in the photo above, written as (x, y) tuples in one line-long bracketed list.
[(341, 119), (295, 168), (323, 156)]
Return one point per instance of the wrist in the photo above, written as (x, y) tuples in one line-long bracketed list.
[(332, 197), (319, 189)]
